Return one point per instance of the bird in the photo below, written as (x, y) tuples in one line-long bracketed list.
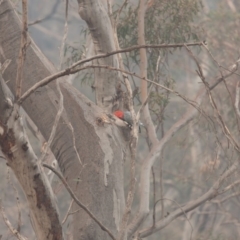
[(126, 117)]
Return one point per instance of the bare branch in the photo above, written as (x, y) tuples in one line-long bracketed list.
[(237, 99), (220, 70), (71, 70), (64, 36), (143, 73), (118, 14), (49, 15), (68, 212), (4, 66), (55, 124), (210, 194), (23, 49), (78, 202), (154, 198), (74, 143), (221, 121), (9, 225), (17, 200), (161, 187), (156, 151), (232, 185), (23, 161)]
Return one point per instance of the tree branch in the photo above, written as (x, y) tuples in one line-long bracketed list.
[(221, 121), (143, 73), (51, 78), (14, 231), (156, 151), (70, 70), (23, 49), (210, 194), (78, 201), (23, 162)]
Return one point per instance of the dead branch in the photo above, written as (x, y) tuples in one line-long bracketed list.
[(23, 161), (74, 143), (161, 187), (55, 124), (154, 198), (210, 194), (118, 14), (220, 70), (49, 15), (9, 225), (47, 80), (154, 154), (64, 36), (70, 70), (143, 73), (237, 99), (23, 49), (68, 212), (17, 200), (219, 117), (78, 202)]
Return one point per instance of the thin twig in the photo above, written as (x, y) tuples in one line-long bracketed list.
[(145, 102), (179, 207), (219, 67), (71, 70), (64, 36), (55, 124), (151, 158), (161, 186), (49, 79), (143, 65), (229, 187), (74, 143), (236, 194), (149, 90), (221, 122), (4, 66), (9, 225), (118, 14), (23, 49), (78, 202), (210, 194), (49, 15), (68, 212), (237, 99), (154, 198), (68, 71), (17, 200)]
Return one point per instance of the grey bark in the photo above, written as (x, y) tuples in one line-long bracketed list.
[(100, 184), (97, 19), (22, 160)]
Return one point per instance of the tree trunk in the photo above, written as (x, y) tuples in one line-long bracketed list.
[(97, 177), (99, 24)]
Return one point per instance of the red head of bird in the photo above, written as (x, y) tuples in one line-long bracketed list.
[(119, 114)]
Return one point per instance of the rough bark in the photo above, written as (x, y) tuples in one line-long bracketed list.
[(22, 160), (100, 169)]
